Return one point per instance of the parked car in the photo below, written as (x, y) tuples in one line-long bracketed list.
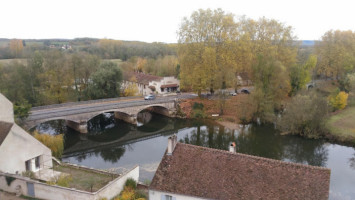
[(233, 94), (149, 97), (245, 91)]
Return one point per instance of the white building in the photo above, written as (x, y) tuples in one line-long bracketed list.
[(149, 84), (19, 151)]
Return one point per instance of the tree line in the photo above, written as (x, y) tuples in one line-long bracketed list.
[(215, 46)]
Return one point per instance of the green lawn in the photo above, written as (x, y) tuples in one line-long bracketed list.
[(83, 179), (342, 125)]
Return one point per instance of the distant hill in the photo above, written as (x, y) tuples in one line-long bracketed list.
[(308, 42)]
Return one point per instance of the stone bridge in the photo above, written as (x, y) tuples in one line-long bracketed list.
[(77, 116)]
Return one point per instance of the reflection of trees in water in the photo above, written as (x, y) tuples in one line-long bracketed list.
[(112, 155), (101, 122), (105, 128), (306, 151), (53, 127), (156, 123), (261, 141), (210, 136), (352, 161), (109, 154)]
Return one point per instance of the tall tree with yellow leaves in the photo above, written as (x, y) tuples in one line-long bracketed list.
[(16, 47)]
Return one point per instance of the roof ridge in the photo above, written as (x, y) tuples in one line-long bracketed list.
[(258, 157)]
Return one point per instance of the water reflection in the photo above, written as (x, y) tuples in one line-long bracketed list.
[(114, 144)]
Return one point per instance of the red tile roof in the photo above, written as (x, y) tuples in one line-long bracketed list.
[(216, 174), (141, 77)]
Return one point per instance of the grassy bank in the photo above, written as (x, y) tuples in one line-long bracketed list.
[(341, 125)]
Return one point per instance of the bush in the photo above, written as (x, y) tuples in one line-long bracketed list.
[(29, 174), (197, 110), (131, 183), (62, 180), (54, 142), (338, 101), (198, 106), (304, 115)]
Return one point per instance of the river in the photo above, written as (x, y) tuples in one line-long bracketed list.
[(117, 146)]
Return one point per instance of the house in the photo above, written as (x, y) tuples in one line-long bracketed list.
[(243, 79), (19, 150), (148, 84), (193, 172)]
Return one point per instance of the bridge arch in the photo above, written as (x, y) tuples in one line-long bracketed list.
[(160, 109), (33, 124)]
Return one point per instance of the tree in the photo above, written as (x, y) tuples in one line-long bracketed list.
[(336, 54), (300, 75), (271, 87), (338, 100), (304, 115), (131, 88), (106, 81), (16, 47), (206, 49), (56, 80)]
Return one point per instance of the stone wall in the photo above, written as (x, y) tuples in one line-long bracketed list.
[(52, 192)]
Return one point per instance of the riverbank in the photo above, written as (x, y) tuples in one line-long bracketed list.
[(341, 126), (236, 109)]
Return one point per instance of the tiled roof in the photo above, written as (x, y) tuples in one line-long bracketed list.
[(141, 77), (216, 174), (4, 130)]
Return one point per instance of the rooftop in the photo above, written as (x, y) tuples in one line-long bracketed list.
[(5, 128), (141, 77), (216, 174)]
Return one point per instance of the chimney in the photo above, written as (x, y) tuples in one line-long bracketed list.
[(172, 140), (232, 147)]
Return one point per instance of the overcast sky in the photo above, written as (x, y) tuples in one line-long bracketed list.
[(158, 20)]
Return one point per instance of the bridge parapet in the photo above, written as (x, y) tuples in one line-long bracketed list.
[(78, 118)]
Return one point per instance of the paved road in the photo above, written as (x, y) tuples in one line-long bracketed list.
[(60, 110)]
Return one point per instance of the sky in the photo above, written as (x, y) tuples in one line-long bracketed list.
[(159, 20)]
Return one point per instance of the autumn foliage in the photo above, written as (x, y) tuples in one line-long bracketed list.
[(339, 101), (54, 142)]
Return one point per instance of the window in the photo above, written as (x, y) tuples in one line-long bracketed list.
[(37, 159), (167, 197), (28, 165)]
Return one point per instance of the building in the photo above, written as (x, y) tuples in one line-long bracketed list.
[(193, 172), (148, 84), (19, 150)]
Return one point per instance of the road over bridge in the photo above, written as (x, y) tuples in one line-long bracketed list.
[(77, 114)]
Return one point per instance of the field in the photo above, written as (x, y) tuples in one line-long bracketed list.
[(341, 125), (8, 61)]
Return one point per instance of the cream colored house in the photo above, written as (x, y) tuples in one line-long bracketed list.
[(149, 84), (19, 151)]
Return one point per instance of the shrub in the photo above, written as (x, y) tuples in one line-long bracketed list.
[(197, 106), (62, 180), (29, 174), (197, 110), (9, 180), (131, 183), (54, 142), (338, 101), (304, 115)]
